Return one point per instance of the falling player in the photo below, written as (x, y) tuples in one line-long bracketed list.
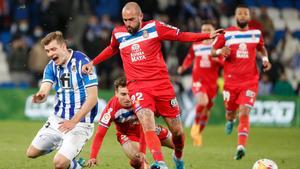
[(205, 75), (71, 124), (239, 45), (148, 81), (119, 110)]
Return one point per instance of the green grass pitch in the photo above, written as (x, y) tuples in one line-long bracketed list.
[(279, 144)]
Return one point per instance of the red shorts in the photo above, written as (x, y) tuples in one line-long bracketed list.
[(160, 98), (122, 138), (239, 95), (211, 92)]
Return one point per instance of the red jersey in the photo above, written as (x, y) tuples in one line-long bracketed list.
[(240, 66), (205, 67), (141, 52), (125, 120)]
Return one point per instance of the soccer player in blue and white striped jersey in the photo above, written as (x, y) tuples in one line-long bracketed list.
[(71, 124)]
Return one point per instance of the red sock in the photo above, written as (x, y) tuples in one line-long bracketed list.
[(203, 122), (154, 145), (243, 129), (178, 142), (198, 112)]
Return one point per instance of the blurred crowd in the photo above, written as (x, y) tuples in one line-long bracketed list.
[(87, 24)]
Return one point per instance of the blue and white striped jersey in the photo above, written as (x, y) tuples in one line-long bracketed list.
[(70, 86)]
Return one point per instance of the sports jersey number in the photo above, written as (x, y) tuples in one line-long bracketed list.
[(137, 96), (65, 80), (226, 95), (205, 62)]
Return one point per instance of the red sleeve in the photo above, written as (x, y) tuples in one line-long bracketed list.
[(109, 51), (142, 141), (97, 141), (219, 42), (261, 43), (168, 32), (189, 58)]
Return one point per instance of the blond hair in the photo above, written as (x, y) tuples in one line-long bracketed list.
[(57, 35)]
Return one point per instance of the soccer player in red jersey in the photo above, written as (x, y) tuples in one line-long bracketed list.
[(239, 45), (205, 76), (119, 110), (148, 81)]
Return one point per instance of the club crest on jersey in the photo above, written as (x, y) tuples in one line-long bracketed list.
[(123, 39), (145, 34), (174, 102)]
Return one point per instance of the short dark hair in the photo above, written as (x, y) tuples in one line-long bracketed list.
[(208, 22), (57, 35), (242, 6), (120, 82)]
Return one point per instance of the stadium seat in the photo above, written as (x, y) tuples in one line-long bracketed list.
[(296, 34), (5, 37), (278, 35), (250, 3), (274, 13), (281, 4), (290, 14), (293, 25), (266, 3), (297, 5), (279, 24)]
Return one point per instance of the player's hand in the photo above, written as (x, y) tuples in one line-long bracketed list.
[(180, 70), (92, 162), (266, 66), (66, 126), (39, 98), (88, 68), (225, 51), (216, 33)]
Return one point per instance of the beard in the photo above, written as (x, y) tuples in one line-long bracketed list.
[(242, 24), (133, 30)]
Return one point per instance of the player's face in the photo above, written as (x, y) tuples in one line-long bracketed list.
[(242, 16), (132, 20), (207, 28), (56, 52), (123, 96)]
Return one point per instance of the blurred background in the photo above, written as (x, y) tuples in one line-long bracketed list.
[(87, 24)]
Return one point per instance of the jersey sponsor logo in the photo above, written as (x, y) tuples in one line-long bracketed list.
[(242, 51), (137, 54), (106, 117), (174, 102)]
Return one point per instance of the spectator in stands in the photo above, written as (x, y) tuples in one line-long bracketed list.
[(17, 60), (267, 23), (4, 71), (283, 87), (264, 86), (255, 23), (37, 58)]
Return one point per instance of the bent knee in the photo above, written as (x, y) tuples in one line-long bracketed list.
[(60, 163)]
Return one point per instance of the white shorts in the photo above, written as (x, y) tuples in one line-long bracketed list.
[(68, 144)]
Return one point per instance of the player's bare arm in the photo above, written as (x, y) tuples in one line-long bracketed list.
[(41, 95), (90, 102), (265, 60)]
